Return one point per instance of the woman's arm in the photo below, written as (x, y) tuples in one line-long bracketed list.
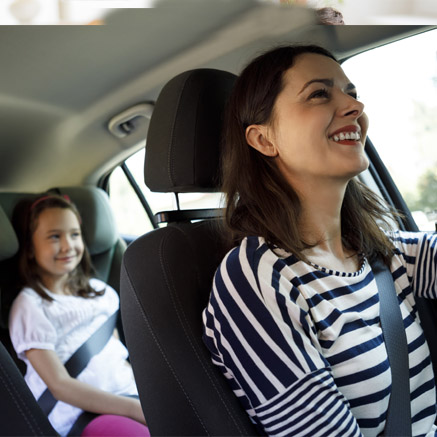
[(74, 392)]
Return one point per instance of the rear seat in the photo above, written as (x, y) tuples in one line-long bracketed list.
[(100, 232), (106, 250)]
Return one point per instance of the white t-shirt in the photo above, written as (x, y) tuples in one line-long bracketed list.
[(63, 325)]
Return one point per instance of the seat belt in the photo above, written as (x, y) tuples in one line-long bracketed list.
[(80, 359), (398, 421)]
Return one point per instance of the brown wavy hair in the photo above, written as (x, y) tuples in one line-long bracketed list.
[(259, 200), (25, 221)]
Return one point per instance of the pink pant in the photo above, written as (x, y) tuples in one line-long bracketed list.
[(114, 426)]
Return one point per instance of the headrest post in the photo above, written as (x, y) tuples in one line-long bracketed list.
[(178, 206)]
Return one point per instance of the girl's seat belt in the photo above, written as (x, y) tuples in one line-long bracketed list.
[(398, 421), (80, 359)]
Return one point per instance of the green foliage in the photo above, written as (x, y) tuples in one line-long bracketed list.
[(427, 188)]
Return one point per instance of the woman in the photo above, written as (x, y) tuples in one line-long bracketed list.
[(293, 318)]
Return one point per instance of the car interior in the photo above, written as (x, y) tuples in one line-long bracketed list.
[(75, 103)]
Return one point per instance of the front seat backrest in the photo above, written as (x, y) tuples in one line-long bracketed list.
[(167, 274)]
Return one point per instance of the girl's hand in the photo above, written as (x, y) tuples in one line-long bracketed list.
[(84, 396), (136, 412)]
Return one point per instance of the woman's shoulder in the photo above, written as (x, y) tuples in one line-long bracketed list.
[(248, 248), (253, 254), (407, 238)]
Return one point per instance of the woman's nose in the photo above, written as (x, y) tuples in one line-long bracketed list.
[(350, 107)]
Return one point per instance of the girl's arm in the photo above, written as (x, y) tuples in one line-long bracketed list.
[(74, 392)]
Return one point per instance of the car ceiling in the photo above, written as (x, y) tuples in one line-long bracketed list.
[(62, 84)]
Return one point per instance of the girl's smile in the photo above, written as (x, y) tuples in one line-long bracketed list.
[(57, 246)]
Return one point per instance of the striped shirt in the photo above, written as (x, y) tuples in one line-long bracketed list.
[(302, 346)]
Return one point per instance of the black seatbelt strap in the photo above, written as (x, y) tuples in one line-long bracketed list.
[(80, 359), (398, 422)]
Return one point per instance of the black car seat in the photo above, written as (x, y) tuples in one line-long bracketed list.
[(20, 415), (167, 274), (100, 234)]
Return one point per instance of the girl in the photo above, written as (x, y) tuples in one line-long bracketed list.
[(293, 317), (59, 307)]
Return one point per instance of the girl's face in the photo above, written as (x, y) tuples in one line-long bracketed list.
[(319, 127), (57, 243)]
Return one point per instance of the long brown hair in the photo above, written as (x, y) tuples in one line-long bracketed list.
[(25, 221), (259, 200)]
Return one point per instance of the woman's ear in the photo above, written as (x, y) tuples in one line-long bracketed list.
[(256, 136)]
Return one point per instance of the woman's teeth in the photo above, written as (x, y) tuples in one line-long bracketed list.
[(355, 136)]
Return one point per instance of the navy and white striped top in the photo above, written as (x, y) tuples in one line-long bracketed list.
[(302, 346)]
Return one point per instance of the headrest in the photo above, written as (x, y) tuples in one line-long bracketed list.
[(8, 239), (98, 223), (183, 141), (99, 228)]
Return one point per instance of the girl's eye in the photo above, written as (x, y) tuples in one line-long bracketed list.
[(319, 94), (54, 237), (75, 234)]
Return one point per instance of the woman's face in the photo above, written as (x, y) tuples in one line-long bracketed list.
[(319, 128)]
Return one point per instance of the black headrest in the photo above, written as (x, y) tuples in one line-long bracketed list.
[(183, 142), (99, 226)]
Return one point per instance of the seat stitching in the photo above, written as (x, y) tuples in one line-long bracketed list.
[(143, 314), (176, 302), (10, 388)]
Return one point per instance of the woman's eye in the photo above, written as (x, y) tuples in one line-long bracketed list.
[(319, 94)]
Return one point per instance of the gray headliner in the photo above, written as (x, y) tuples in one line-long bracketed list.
[(61, 84)]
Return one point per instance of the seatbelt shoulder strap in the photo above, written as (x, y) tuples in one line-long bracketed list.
[(81, 357), (398, 421)]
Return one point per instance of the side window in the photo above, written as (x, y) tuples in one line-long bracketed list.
[(130, 214), (398, 85)]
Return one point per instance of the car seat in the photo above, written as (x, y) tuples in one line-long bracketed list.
[(19, 413), (167, 274), (100, 234)]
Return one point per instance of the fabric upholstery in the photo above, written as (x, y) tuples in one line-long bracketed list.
[(183, 141), (100, 231), (8, 239), (165, 282), (20, 414)]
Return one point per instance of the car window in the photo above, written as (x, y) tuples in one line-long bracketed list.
[(132, 219), (401, 102)]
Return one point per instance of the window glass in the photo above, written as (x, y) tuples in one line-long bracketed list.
[(398, 85), (166, 201), (130, 215)]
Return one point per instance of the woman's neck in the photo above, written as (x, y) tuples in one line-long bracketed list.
[(320, 226)]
